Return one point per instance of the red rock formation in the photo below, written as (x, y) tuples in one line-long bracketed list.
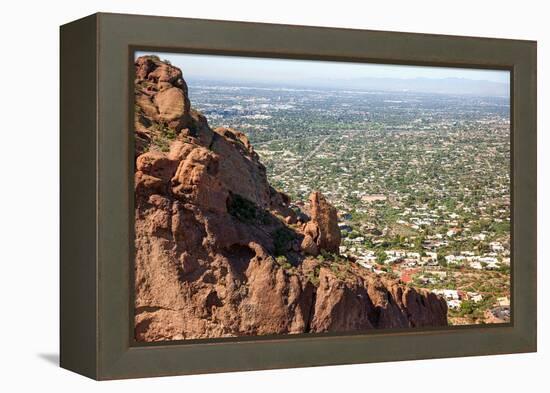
[(322, 232), (215, 256)]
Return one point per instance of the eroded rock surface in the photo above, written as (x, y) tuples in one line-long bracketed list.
[(321, 232), (219, 252)]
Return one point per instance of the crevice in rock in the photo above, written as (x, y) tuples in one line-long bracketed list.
[(212, 300), (151, 309), (239, 257), (311, 311)]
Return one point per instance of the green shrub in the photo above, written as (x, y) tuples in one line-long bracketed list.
[(314, 280), (467, 307), (242, 209), (381, 256), (161, 143), (281, 240), (283, 262), (247, 211), (313, 277), (194, 127)]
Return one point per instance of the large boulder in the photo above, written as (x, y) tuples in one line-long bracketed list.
[(196, 181), (162, 103), (322, 229), (171, 104), (341, 306), (241, 170)]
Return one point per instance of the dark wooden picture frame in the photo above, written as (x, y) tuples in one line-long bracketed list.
[(97, 195)]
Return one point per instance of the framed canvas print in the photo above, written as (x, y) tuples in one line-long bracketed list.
[(241, 196)]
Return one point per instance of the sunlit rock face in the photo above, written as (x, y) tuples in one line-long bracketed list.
[(219, 252)]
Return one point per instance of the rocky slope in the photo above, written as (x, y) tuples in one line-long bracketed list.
[(219, 252)]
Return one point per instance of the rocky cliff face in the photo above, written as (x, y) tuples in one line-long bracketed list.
[(219, 252)]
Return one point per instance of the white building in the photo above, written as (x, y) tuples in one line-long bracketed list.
[(365, 264), (476, 265), (479, 237), (455, 259), (369, 259), (449, 294), (491, 263), (475, 297), (432, 255), (396, 253), (454, 304), (451, 232), (496, 246), (468, 253)]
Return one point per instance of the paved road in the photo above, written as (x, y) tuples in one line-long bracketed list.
[(305, 159)]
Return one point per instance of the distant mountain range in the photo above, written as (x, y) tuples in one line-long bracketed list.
[(425, 85), (458, 86)]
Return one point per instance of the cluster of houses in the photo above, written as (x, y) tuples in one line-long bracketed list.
[(368, 259), (365, 258), (493, 260), (422, 216), (409, 264), (455, 297), (409, 259)]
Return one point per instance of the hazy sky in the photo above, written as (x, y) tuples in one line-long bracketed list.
[(238, 68)]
